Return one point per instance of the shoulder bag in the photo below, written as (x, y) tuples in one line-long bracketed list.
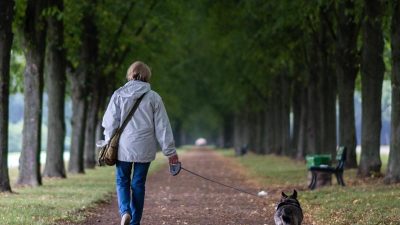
[(109, 153)]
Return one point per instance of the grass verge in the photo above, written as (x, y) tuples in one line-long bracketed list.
[(366, 201), (61, 199)]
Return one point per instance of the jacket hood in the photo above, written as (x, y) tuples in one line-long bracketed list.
[(134, 89)]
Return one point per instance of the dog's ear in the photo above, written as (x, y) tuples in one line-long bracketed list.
[(284, 195), (294, 195)]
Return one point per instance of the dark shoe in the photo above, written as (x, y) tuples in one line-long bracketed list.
[(126, 219)]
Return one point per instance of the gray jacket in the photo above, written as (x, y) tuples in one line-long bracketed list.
[(149, 124)]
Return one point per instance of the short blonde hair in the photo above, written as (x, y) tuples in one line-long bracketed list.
[(138, 71)]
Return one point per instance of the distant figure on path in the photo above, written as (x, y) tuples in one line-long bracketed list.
[(138, 141)]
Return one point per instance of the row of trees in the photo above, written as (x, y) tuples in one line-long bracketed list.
[(79, 45), (299, 58), (234, 71)]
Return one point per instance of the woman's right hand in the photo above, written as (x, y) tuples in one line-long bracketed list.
[(173, 159)]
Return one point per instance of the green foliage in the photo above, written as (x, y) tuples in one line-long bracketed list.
[(73, 14), (53, 11), (20, 7), (218, 57), (17, 66)]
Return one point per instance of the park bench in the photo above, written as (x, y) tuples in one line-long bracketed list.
[(338, 170)]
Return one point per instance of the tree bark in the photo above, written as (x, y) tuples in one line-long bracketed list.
[(56, 81), (79, 106), (245, 124), (86, 73), (326, 89), (270, 129), (34, 38), (302, 141), (241, 130), (372, 71), (228, 131), (96, 83), (393, 170), (347, 68), (251, 130), (90, 133), (176, 129), (256, 133), (313, 110), (276, 116), (329, 111), (285, 114), (184, 138), (6, 39), (261, 132), (296, 109)]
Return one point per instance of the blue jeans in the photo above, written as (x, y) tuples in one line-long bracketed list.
[(131, 202)]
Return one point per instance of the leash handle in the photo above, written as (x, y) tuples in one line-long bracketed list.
[(174, 169)]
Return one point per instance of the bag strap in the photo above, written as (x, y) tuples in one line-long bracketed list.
[(135, 106)]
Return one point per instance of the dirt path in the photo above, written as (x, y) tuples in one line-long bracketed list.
[(186, 199)]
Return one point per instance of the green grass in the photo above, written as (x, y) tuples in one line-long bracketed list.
[(60, 199), (360, 202), (272, 170)]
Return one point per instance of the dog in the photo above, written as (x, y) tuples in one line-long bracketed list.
[(288, 210)]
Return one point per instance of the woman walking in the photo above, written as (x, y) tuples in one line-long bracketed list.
[(138, 142)]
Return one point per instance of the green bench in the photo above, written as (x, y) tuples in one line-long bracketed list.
[(321, 163)]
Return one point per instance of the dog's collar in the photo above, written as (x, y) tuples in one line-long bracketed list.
[(295, 204)]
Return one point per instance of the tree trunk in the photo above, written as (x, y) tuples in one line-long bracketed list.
[(285, 114), (79, 106), (255, 135), (176, 129), (90, 133), (276, 106), (241, 130), (99, 131), (347, 68), (313, 113), (393, 170), (261, 132), (330, 115), (220, 140), (327, 91), (236, 131), (56, 81), (296, 109), (184, 140), (96, 85), (34, 38), (6, 38), (302, 141), (246, 126), (87, 72), (269, 133), (372, 71), (228, 131)]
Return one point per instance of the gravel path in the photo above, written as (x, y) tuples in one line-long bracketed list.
[(186, 199)]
